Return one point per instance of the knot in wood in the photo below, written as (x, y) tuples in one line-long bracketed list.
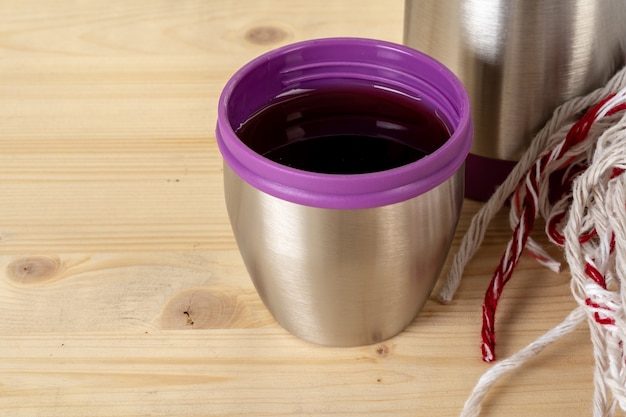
[(202, 308), (382, 351), (33, 269), (265, 35)]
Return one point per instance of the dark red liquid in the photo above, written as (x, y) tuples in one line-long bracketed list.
[(344, 130)]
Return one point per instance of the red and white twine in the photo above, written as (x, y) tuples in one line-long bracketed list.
[(572, 176)]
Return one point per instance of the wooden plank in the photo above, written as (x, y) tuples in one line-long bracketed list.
[(121, 289)]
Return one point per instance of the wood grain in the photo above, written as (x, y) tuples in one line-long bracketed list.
[(121, 289)]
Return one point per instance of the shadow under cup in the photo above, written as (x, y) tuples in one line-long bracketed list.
[(343, 259)]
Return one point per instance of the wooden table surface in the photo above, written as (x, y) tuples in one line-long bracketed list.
[(122, 292)]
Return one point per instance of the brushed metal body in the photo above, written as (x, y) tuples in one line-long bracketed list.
[(519, 59), (343, 277)]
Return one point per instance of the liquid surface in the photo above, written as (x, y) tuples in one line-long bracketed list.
[(341, 130), (345, 154)]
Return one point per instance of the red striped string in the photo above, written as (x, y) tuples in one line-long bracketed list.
[(560, 166)]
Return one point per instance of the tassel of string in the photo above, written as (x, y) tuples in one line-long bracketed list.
[(573, 177), (551, 134), (554, 166)]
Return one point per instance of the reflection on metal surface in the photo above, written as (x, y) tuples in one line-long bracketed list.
[(519, 59), (343, 277)]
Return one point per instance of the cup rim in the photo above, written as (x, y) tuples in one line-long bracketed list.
[(349, 191)]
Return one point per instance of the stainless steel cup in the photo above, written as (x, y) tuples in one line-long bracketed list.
[(343, 260), (519, 60)]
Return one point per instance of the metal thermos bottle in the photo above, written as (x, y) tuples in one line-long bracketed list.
[(519, 60)]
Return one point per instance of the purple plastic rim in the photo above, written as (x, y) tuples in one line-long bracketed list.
[(312, 63)]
